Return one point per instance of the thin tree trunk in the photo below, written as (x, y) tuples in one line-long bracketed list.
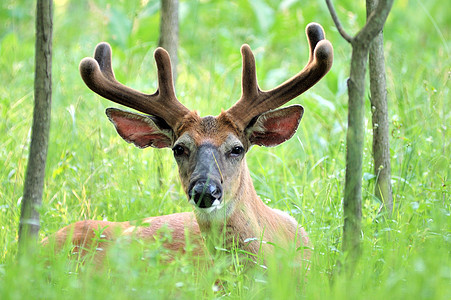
[(379, 109), (352, 202), (169, 39), (169, 31), (34, 178)]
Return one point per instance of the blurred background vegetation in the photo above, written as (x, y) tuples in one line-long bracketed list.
[(92, 173)]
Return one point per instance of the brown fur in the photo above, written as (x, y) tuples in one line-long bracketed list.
[(92, 236), (207, 129)]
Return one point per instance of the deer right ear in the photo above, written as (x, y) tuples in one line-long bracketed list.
[(141, 130)]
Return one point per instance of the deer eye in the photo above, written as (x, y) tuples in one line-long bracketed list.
[(236, 151), (179, 150)]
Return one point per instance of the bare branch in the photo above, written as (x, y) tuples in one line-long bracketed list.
[(340, 28), (375, 21)]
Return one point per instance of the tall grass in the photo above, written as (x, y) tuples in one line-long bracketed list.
[(92, 173)]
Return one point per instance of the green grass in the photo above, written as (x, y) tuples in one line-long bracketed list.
[(92, 173)]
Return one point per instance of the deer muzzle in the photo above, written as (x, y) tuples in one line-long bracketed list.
[(205, 189), (206, 194)]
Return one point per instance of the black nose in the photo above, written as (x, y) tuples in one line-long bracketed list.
[(204, 193)]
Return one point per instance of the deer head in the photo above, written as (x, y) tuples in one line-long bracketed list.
[(209, 150)]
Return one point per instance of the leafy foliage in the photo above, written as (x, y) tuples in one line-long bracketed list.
[(92, 173)]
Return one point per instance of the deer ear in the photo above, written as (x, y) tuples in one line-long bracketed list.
[(141, 130), (275, 127)]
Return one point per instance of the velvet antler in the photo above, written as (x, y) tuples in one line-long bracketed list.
[(98, 75), (254, 101)]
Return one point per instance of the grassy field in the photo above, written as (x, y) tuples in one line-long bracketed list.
[(93, 174)]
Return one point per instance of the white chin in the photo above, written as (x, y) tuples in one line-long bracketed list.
[(215, 206)]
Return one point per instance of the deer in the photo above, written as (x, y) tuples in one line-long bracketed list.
[(210, 155)]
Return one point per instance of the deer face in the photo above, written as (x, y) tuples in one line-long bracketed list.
[(207, 155), (209, 151)]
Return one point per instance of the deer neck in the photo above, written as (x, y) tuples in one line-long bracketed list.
[(246, 223)]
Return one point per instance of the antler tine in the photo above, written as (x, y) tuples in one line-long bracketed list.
[(98, 75), (315, 34), (249, 85), (254, 101)]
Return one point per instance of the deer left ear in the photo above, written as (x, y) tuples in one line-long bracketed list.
[(275, 127)]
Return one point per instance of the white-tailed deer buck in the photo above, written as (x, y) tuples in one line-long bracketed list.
[(209, 152)]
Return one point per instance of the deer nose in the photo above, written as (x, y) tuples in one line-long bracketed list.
[(204, 193)]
